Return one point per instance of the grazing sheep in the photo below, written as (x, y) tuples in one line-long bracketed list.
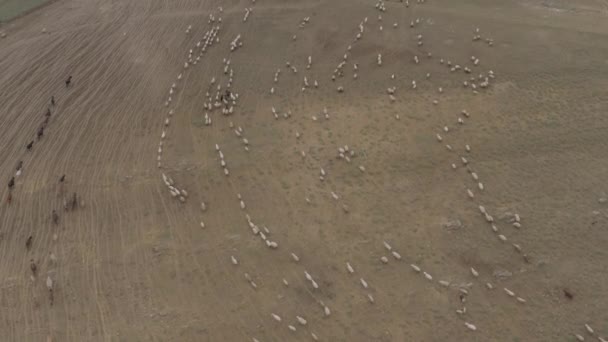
[(387, 246), (295, 257)]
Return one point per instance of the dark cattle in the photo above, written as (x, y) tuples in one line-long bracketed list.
[(62, 179), (19, 165), (29, 146), (74, 203), (33, 267), (68, 81), (53, 100), (55, 217), (40, 133), (28, 243), (11, 183)]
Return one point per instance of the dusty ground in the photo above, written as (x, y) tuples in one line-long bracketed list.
[(134, 264)]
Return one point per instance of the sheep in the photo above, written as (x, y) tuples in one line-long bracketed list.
[(379, 59), (427, 276), (470, 193), (295, 257), (326, 311), (387, 246), (396, 255), (234, 261), (415, 267), (470, 326), (384, 260), (370, 298), (301, 320), (517, 247), (350, 268), (474, 272), (276, 317), (247, 12)]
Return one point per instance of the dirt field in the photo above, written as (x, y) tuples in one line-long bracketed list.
[(131, 262)]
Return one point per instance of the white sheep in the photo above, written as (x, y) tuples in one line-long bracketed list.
[(387, 246), (295, 257)]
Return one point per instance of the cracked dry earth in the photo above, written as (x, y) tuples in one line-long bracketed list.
[(378, 171)]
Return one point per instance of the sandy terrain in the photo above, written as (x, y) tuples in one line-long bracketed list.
[(132, 262)]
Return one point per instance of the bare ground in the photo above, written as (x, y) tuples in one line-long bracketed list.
[(134, 264)]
